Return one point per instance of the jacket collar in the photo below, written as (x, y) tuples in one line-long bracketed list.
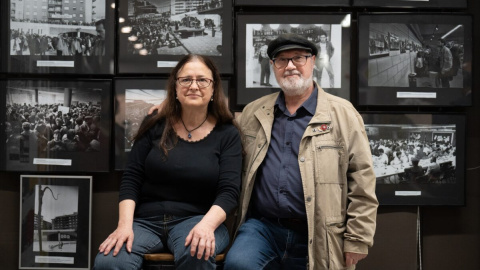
[(322, 111)]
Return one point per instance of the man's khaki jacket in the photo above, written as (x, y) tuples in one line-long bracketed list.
[(337, 176)]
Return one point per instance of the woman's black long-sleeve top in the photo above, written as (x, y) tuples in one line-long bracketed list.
[(193, 177)]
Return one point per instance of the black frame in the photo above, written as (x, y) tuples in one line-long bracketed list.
[(121, 85), (411, 3), (51, 62), (250, 90), (305, 3), (129, 63), (404, 36), (66, 239), (89, 97), (394, 186)]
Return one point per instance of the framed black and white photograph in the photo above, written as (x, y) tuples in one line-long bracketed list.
[(411, 3), (415, 59), (304, 3), (155, 34), (55, 222), (133, 99), (255, 76), (60, 36), (55, 125), (418, 159)]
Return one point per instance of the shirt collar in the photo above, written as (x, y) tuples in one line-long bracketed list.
[(310, 105)]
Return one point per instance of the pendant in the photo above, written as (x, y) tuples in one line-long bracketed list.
[(189, 135)]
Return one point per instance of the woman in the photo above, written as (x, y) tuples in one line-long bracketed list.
[(182, 178)]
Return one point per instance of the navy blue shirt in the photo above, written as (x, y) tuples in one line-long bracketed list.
[(278, 191)]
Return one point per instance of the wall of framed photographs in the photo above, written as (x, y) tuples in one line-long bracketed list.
[(110, 59)]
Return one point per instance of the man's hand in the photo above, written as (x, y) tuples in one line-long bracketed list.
[(353, 258), (157, 107)]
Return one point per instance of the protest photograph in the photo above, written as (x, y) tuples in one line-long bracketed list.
[(60, 36), (56, 125)]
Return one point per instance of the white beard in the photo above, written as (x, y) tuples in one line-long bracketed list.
[(295, 86)]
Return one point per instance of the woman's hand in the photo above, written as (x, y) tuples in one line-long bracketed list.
[(116, 239), (202, 240)]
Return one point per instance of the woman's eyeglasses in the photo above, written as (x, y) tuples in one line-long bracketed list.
[(201, 82)]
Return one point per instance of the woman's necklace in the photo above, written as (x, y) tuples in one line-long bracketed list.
[(190, 131)]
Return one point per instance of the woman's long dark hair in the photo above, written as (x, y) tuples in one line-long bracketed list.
[(172, 110)]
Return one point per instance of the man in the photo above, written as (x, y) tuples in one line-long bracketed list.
[(446, 63), (308, 193), (264, 65), (99, 47), (325, 53)]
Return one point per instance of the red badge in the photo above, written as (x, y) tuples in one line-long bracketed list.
[(323, 127)]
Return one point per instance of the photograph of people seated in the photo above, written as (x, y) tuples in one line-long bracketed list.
[(403, 154)]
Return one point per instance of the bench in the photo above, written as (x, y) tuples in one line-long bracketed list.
[(165, 261)]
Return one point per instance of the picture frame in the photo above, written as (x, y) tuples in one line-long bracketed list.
[(434, 142), (411, 3), (55, 222), (255, 30), (55, 125), (304, 3), (205, 29), (133, 99), (60, 37), (399, 59)]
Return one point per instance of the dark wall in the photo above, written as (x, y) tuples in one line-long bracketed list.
[(450, 237)]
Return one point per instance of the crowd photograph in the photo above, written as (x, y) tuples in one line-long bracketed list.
[(155, 27), (42, 122), (57, 28), (404, 154)]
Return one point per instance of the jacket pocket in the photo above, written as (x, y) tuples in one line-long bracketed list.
[(329, 156), (335, 232)]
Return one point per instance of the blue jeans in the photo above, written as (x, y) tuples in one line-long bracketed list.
[(265, 244), (164, 233)]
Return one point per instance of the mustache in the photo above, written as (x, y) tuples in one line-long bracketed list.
[(291, 72)]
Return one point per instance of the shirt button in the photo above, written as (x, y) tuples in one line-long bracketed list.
[(259, 145), (302, 159), (309, 199)]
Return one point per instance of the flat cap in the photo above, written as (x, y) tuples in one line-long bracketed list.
[(290, 41)]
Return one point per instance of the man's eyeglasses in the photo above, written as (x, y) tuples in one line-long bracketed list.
[(201, 82), (298, 61)]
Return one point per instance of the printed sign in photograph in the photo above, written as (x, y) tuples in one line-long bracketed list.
[(55, 218)]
